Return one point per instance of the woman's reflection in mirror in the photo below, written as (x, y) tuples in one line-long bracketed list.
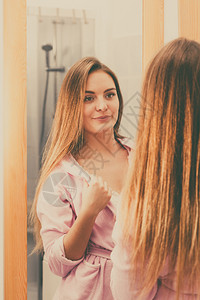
[(83, 170)]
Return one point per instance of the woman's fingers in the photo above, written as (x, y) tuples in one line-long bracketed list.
[(97, 195), (105, 185), (100, 180), (100, 183), (109, 192)]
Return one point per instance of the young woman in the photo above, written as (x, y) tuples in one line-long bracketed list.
[(157, 254), (83, 172)]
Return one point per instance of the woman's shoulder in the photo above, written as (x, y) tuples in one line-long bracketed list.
[(60, 185), (67, 173), (67, 166)]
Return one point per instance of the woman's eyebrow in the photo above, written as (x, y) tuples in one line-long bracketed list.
[(107, 90), (89, 92)]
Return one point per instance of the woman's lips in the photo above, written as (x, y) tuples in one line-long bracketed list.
[(102, 118)]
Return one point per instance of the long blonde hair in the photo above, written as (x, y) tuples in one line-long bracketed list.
[(161, 200), (67, 134)]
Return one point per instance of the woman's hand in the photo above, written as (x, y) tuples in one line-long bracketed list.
[(95, 196)]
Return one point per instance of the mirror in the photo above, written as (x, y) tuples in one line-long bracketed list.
[(57, 36)]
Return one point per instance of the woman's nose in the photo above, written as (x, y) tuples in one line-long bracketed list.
[(101, 105)]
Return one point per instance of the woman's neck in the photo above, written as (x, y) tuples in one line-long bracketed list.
[(104, 143)]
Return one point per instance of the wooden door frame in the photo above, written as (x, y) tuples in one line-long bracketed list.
[(189, 19), (152, 29), (15, 150)]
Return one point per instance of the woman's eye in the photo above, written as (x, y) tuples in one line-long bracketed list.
[(88, 98), (110, 95)]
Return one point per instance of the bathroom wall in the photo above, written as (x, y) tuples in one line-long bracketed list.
[(1, 155)]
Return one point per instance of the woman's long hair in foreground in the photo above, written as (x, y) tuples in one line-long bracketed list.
[(161, 200), (67, 134)]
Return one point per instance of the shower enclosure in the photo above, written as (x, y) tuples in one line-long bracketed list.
[(55, 40)]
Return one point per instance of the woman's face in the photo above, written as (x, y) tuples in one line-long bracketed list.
[(101, 103)]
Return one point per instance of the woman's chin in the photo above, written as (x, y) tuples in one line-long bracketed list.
[(107, 128)]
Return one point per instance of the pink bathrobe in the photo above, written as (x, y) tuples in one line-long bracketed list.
[(58, 205), (164, 288)]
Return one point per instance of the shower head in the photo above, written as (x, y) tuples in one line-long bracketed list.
[(47, 48)]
